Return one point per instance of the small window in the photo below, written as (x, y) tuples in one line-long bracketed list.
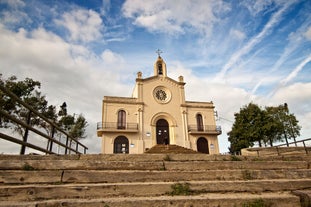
[(121, 119), (200, 122), (160, 70)]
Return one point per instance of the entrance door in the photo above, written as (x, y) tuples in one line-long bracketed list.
[(162, 130), (121, 145), (202, 145)]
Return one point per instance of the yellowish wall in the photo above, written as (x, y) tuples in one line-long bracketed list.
[(145, 110)]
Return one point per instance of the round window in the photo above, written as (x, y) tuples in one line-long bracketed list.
[(162, 94)]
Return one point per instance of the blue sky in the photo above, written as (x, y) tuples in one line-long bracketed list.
[(230, 52)]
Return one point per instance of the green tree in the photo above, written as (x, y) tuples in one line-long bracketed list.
[(74, 126), (28, 91), (253, 124), (247, 128), (283, 125)]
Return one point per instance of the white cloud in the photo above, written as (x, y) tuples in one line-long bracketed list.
[(106, 5), (237, 34), (236, 57), (299, 93), (67, 72), (255, 7), (175, 16), (17, 16), (307, 34), (83, 25), (13, 3), (297, 96), (296, 70), (110, 57)]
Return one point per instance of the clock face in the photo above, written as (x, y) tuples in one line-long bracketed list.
[(162, 94)]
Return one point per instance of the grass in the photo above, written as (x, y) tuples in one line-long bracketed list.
[(256, 203), (27, 167), (235, 158), (247, 175), (167, 158), (180, 189)]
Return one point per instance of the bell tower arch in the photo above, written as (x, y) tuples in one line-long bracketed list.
[(160, 66)]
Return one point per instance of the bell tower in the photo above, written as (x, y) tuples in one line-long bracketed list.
[(160, 66)]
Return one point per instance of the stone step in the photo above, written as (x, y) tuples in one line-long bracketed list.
[(148, 189), (156, 157), (223, 165), (79, 164), (305, 197), (112, 176), (284, 199), (148, 165)]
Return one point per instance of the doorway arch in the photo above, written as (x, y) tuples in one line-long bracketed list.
[(202, 145), (162, 132), (121, 145)]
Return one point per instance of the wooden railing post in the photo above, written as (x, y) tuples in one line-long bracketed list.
[(304, 145), (277, 149), (25, 137), (52, 136), (66, 149)]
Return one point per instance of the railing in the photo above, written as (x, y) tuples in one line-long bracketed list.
[(306, 144), (65, 144), (116, 126), (212, 129), (287, 148)]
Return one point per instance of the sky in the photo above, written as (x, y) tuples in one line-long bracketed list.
[(231, 52)]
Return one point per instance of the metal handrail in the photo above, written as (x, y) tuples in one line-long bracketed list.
[(303, 141), (204, 128), (27, 127), (279, 147), (296, 142), (117, 126)]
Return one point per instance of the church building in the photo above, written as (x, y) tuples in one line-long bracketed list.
[(157, 113)]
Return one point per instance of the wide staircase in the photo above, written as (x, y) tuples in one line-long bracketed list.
[(183, 180)]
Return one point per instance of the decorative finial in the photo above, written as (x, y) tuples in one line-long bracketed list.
[(159, 52)]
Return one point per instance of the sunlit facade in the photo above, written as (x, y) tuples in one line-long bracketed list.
[(157, 113)]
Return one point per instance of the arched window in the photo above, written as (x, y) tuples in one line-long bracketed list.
[(160, 70), (121, 119), (200, 122)]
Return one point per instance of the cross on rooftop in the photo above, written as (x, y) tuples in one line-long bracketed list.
[(159, 52)]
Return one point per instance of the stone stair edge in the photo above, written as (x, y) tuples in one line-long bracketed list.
[(193, 182), (136, 189), (33, 165), (285, 199), (212, 186), (112, 176), (155, 157)]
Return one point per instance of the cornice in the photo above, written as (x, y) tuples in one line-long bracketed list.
[(122, 100), (198, 104)]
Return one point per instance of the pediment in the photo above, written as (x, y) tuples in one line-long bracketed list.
[(161, 79)]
